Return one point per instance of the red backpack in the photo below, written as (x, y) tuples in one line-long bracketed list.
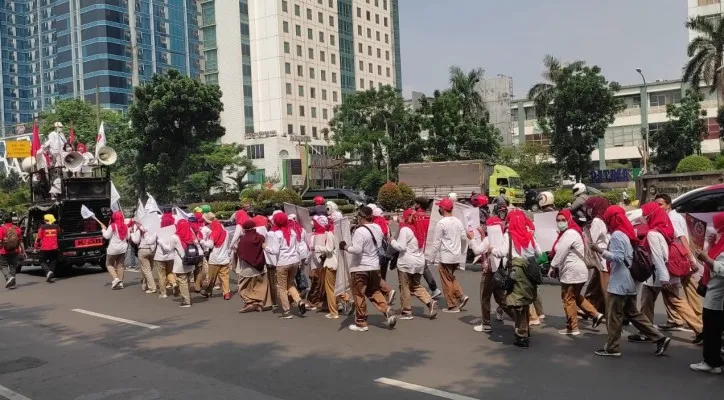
[(678, 264)]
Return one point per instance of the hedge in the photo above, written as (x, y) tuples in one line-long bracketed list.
[(694, 164), (565, 196)]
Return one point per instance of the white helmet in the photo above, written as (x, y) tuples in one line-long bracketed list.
[(453, 196), (545, 199), (578, 189)]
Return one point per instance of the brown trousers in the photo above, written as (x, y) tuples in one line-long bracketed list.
[(316, 287), (164, 269), (286, 286), (672, 299), (450, 286), (597, 289), (521, 316), (221, 272), (366, 285), (200, 274), (255, 291), (488, 290), (619, 307), (329, 280), (410, 285), (114, 264), (689, 284), (572, 301), (273, 292)]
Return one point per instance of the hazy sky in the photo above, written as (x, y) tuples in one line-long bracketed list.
[(511, 37)]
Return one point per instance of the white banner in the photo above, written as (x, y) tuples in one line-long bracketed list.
[(151, 222), (459, 212), (179, 214), (342, 232), (546, 231), (85, 212), (302, 214), (165, 234)]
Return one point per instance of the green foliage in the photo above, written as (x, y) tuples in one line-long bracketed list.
[(390, 196), (287, 196), (360, 178), (583, 107), (562, 197), (407, 198), (719, 162), (347, 209), (211, 162), (686, 128), (694, 163), (15, 200), (531, 162), (249, 195), (542, 93), (216, 206), (82, 116), (705, 52), (10, 182), (463, 84)]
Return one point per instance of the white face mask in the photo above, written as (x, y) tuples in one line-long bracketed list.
[(562, 226)]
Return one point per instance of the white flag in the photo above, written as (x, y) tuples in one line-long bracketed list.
[(100, 139), (85, 212), (115, 198), (179, 214), (140, 212), (151, 206)]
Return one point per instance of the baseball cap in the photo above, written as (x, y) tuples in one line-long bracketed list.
[(446, 204)]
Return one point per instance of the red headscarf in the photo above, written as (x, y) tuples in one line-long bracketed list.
[(493, 221), (167, 220), (528, 223), (319, 200), (416, 225), (218, 233), (281, 223), (615, 219), (184, 232), (717, 248), (119, 225), (296, 227), (597, 205), (422, 221), (518, 230), (321, 225), (572, 225), (657, 219), (380, 220), (260, 221), (241, 217), (479, 201), (81, 148)]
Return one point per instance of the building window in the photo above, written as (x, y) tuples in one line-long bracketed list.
[(331, 21), (369, 67), (314, 128), (314, 112), (284, 6), (377, 34), (379, 53), (369, 16), (311, 72), (620, 136), (321, 37), (301, 112), (286, 47), (377, 18), (387, 38), (298, 30), (361, 66), (708, 2), (311, 53), (310, 34), (324, 94), (297, 10), (299, 50), (334, 96), (387, 55), (287, 68), (289, 88), (256, 176), (379, 70), (285, 26), (359, 30), (359, 47), (331, 3), (332, 40), (290, 129), (333, 58), (321, 56), (664, 98), (290, 110), (334, 77), (313, 93), (309, 14), (300, 70), (255, 151), (384, 4), (369, 33), (301, 91), (324, 113), (320, 18), (369, 50), (385, 21), (302, 130), (388, 72), (323, 75), (359, 12), (372, 85)]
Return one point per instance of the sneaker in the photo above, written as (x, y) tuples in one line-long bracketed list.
[(162, 296), (499, 315), (569, 332), (704, 367), (597, 321), (227, 296), (606, 353), (669, 327), (463, 302), (356, 328), (698, 339), (204, 294), (582, 315), (114, 284), (185, 305), (432, 312), (637, 338), (302, 308), (144, 286), (406, 317), (534, 322), (391, 297), (523, 343), (217, 287), (332, 316), (437, 293), (286, 315), (483, 328), (49, 277), (10, 284), (149, 291), (312, 308), (542, 316), (120, 285), (248, 308), (391, 320), (453, 310), (662, 345)]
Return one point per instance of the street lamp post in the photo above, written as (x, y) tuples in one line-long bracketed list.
[(645, 118)]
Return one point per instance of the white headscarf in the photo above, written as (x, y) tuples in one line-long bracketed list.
[(377, 212)]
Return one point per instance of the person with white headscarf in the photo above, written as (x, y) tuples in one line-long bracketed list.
[(54, 144), (333, 212)]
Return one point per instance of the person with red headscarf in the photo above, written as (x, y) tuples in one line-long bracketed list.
[(410, 265), (658, 239), (219, 258), (422, 222), (713, 300), (251, 269), (597, 232), (117, 235), (518, 246), (622, 289), (173, 250), (283, 252), (164, 261), (324, 260), (567, 263), (146, 242)]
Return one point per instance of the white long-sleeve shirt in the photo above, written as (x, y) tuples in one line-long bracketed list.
[(447, 241), (172, 248), (526, 252), (411, 258), (659, 251), (220, 255), (144, 240), (568, 258), (600, 237), (494, 238), (280, 252), (481, 248), (324, 245), (116, 245), (365, 255)]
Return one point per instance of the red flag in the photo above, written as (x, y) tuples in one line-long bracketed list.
[(35, 145), (71, 138)]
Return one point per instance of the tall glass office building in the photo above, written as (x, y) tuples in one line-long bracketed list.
[(57, 49)]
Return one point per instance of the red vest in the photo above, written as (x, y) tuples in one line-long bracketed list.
[(48, 237)]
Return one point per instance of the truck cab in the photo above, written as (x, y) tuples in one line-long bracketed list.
[(505, 177)]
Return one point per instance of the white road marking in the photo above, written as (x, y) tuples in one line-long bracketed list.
[(423, 389), (112, 318), (10, 395)]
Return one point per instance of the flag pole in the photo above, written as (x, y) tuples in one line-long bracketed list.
[(98, 107)]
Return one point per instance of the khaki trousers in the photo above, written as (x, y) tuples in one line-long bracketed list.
[(183, 286), (255, 291), (366, 285), (619, 307), (316, 287), (672, 299), (286, 286), (488, 290), (145, 258), (164, 269), (536, 309), (200, 274), (450, 286), (410, 284), (329, 278), (221, 272), (689, 284), (114, 264), (572, 301)]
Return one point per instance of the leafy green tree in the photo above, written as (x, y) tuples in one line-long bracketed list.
[(531, 161), (10, 181), (542, 93), (173, 116), (583, 106), (463, 84), (681, 135), (705, 53), (212, 163)]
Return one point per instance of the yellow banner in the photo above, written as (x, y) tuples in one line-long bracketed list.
[(18, 149)]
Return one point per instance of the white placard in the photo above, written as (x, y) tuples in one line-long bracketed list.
[(342, 231), (85, 212), (302, 214), (459, 212), (151, 206), (140, 212), (165, 234), (546, 231), (151, 222)]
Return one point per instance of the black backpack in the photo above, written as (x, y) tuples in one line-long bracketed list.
[(641, 267), (193, 255)]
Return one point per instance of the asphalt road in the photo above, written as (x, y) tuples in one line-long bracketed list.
[(49, 351)]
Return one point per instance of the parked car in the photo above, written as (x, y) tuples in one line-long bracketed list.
[(331, 194), (708, 199)]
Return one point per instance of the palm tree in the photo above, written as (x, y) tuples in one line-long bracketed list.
[(542, 93), (705, 53), (463, 84)]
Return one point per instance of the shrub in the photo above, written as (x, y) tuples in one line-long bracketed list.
[(249, 194), (265, 196), (389, 196), (216, 206), (694, 164), (719, 162), (562, 197), (407, 196), (287, 196), (347, 209)]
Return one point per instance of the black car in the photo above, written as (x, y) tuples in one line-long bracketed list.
[(332, 194)]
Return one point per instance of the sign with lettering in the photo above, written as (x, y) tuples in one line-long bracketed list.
[(300, 138), (610, 175), (260, 135), (18, 149)]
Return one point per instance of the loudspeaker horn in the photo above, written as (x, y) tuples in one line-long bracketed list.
[(73, 160), (107, 156), (28, 164)]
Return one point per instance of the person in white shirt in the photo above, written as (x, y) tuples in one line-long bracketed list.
[(251, 268), (596, 232), (54, 144), (117, 236), (324, 260), (333, 212), (568, 265), (364, 269), (146, 242), (164, 263), (202, 274), (173, 249), (219, 258), (447, 247), (690, 282), (282, 248), (410, 265), (661, 233)]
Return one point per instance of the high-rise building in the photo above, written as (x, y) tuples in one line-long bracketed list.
[(283, 66), (57, 49)]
